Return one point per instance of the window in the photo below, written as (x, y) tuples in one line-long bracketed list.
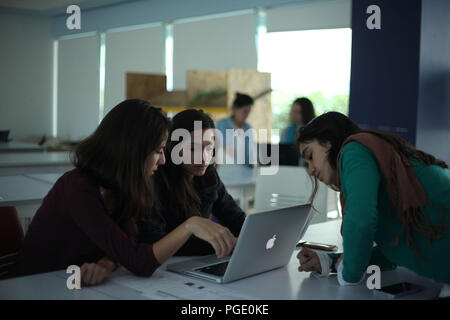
[(312, 63)]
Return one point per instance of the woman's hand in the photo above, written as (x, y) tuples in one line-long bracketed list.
[(96, 273), (309, 261), (220, 238)]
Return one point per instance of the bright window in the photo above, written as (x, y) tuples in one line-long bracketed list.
[(313, 63)]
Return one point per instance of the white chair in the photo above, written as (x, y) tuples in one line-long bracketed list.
[(239, 181), (289, 186), (333, 204)]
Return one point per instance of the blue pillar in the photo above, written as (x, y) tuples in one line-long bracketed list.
[(433, 115), (400, 77), (385, 67)]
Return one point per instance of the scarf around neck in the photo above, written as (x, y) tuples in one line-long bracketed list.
[(406, 195)]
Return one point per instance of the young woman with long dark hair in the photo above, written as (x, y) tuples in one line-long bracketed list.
[(302, 112), (391, 193), (91, 216), (191, 192)]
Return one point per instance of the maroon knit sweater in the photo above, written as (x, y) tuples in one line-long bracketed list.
[(72, 227)]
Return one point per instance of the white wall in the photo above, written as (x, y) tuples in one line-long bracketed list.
[(214, 45), (78, 87), (26, 75), (139, 50)]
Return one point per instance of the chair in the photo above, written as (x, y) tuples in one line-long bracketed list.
[(289, 186), (239, 182), (11, 239)]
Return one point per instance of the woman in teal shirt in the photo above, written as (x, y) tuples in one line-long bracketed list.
[(393, 195)]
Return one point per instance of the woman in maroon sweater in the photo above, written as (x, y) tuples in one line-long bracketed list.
[(89, 218)]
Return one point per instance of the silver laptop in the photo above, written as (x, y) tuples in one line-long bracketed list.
[(266, 242)]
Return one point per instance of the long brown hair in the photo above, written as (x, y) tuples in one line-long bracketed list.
[(335, 128), (306, 109), (115, 155), (184, 198)]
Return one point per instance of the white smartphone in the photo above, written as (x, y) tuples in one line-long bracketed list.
[(398, 290)]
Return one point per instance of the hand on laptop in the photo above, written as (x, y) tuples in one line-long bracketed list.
[(309, 261), (220, 238)]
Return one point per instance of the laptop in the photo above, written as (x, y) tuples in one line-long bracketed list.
[(288, 154), (266, 242)]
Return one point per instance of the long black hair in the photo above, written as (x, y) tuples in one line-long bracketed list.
[(335, 128), (242, 100), (332, 127), (184, 198), (115, 156), (306, 109)]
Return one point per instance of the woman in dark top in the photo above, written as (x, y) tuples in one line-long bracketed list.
[(191, 191), (89, 218)]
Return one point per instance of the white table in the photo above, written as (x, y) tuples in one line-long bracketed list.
[(18, 190), (239, 181), (35, 162), (8, 147), (24, 193), (32, 288), (49, 178), (283, 283)]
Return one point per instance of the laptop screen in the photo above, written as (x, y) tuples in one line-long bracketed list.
[(289, 155)]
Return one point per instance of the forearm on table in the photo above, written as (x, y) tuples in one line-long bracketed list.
[(328, 263), (377, 258), (328, 266)]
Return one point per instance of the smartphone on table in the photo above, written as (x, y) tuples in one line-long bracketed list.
[(397, 290), (316, 245)]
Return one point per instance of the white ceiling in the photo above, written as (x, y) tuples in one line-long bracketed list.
[(43, 6)]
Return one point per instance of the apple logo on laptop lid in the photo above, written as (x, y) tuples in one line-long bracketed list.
[(271, 242)]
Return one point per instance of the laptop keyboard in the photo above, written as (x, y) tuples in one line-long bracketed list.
[(215, 269)]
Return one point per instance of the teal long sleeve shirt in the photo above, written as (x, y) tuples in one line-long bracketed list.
[(368, 219)]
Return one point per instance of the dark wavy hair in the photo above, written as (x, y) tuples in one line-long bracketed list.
[(335, 128), (184, 198), (242, 100), (115, 156), (306, 109)]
